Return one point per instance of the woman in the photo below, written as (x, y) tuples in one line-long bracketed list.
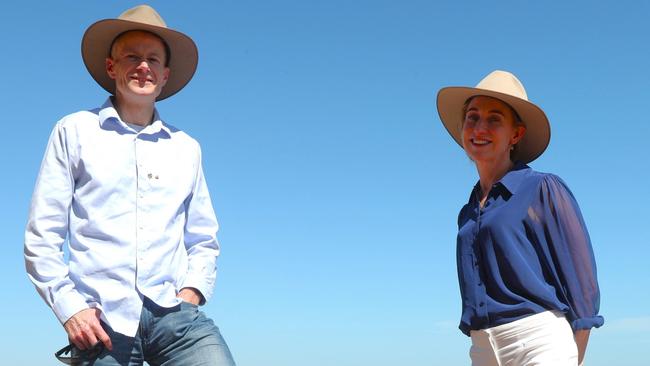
[(525, 264)]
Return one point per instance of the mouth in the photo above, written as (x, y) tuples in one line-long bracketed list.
[(142, 80), (480, 141)]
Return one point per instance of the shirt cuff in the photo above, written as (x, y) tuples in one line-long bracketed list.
[(68, 305), (200, 284), (587, 323)]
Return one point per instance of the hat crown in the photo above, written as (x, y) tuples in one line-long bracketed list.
[(503, 82), (143, 14)]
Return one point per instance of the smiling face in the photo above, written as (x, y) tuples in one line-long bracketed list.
[(137, 64), (489, 130)]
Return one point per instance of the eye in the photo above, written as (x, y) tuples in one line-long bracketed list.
[(494, 119), (133, 58), (471, 118), (153, 60)]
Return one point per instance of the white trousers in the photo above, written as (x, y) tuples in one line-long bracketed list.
[(543, 339)]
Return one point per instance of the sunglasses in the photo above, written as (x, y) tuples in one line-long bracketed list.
[(71, 355)]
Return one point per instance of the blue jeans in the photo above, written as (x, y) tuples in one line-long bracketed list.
[(178, 336)]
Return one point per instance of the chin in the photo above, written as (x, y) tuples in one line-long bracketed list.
[(144, 93), (475, 156)]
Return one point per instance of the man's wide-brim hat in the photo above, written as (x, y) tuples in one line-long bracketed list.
[(97, 41), (506, 87)]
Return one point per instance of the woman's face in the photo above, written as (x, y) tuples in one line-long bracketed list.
[(489, 130)]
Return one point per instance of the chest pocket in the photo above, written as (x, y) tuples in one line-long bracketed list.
[(168, 173)]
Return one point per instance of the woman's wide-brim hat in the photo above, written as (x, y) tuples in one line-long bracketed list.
[(97, 41), (506, 87)]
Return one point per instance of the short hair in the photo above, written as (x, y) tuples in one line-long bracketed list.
[(168, 53)]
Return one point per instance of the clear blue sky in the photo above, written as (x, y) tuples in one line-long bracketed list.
[(335, 184)]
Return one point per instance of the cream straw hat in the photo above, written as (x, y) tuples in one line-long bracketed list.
[(507, 88)]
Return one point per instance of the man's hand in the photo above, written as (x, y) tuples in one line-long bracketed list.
[(84, 329), (191, 295)]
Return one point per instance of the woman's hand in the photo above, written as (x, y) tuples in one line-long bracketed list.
[(581, 337)]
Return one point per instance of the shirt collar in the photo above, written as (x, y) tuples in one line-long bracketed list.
[(511, 181), (108, 114)]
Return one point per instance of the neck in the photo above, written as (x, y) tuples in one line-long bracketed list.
[(490, 172), (133, 112)]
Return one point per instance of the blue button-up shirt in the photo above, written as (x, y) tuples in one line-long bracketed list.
[(136, 212), (526, 251)]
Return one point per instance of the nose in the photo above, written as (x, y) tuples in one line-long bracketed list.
[(481, 125), (143, 65)]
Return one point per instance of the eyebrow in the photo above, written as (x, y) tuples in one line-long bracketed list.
[(490, 111), (135, 50), (497, 112)]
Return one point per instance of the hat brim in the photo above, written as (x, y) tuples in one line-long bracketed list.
[(450, 103), (98, 38)]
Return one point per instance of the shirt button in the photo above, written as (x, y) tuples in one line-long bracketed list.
[(480, 283), (481, 303)]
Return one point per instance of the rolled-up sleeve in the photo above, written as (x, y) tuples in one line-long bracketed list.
[(47, 228), (572, 253), (200, 236)]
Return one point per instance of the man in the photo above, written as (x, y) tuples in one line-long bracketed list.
[(127, 191)]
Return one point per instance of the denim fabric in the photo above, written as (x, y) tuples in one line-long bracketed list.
[(177, 336)]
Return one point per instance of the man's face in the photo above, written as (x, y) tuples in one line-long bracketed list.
[(137, 64)]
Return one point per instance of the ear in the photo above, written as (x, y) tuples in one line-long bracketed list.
[(519, 132), (166, 72), (110, 68)]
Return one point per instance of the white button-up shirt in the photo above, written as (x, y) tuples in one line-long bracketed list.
[(136, 212)]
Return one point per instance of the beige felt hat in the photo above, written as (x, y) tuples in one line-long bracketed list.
[(507, 88), (96, 43)]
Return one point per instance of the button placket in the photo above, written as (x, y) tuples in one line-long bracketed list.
[(146, 184), (141, 223), (481, 291)]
